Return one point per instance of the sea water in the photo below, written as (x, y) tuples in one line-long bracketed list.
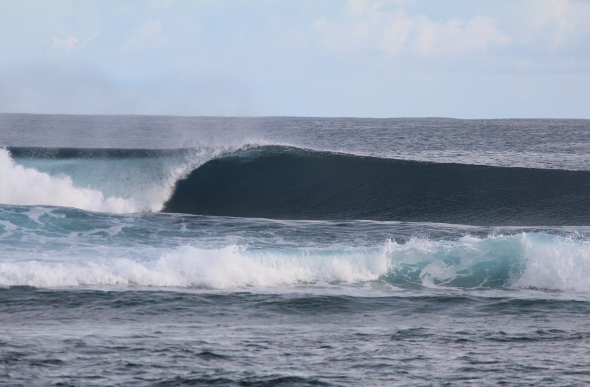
[(182, 251)]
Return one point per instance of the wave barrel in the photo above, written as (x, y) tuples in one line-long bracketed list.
[(290, 183)]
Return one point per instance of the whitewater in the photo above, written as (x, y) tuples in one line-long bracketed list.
[(281, 251)]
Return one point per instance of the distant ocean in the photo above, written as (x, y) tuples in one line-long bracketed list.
[(281, 251)]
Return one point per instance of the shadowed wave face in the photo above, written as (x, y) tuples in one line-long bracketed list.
[(290, 183)]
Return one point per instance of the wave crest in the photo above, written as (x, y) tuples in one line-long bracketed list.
[(292, 183)]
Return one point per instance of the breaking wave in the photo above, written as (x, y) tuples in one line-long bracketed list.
[(279, 182), (28, 186), (291, 183), (525, 260)]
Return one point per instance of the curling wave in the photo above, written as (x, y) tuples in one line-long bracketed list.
[(291, 183), (106, 180), (279, 182)]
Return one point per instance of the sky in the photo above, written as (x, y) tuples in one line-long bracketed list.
[(313, 58)]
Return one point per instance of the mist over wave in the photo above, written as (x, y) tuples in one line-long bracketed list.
[(28, 186), (280, 182), (106, 180)]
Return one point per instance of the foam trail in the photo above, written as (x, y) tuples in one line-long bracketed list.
[(523, 261), (27, 186), (226, 268)]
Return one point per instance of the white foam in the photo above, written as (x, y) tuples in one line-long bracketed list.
[(226, 268), (106, 185), (27, 186), (556, 263), (535, 261)]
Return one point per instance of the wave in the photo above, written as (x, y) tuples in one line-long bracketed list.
[(281, 182), (106, 180), (522, 261), (291, 183)]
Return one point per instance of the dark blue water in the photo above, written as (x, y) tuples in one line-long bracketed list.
[(293, 251)]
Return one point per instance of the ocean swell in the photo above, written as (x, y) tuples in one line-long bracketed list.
[(279, 182), (291, 183)]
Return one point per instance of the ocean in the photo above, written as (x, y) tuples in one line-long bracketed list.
[(284, 251)]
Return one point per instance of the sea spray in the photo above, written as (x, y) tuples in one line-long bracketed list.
[(138, 180), (27, 186), (555, 263), (172, 299)]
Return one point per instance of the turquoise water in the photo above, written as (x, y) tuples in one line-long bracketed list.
[(98, 287)]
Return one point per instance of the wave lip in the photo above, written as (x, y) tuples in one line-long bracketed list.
[(291, 183), (95, 179), (279, 182)]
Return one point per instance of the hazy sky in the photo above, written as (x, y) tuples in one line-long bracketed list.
[(363, 58)]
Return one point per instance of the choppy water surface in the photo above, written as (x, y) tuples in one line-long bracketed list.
[(293, 251)]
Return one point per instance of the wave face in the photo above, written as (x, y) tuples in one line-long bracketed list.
[(290, 183), (93, 272)]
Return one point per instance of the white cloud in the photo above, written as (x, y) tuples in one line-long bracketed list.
[(93, 36), (554, 11), (148, 35), (395, 35), (67, 43), (368, 25), (457, 36), (562, 21)]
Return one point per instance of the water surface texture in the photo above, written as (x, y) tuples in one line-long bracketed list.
[(188, 251)]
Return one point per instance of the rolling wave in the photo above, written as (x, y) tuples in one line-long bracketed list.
[(105, 180), (291, 183), (523, 261), (280, 182)]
